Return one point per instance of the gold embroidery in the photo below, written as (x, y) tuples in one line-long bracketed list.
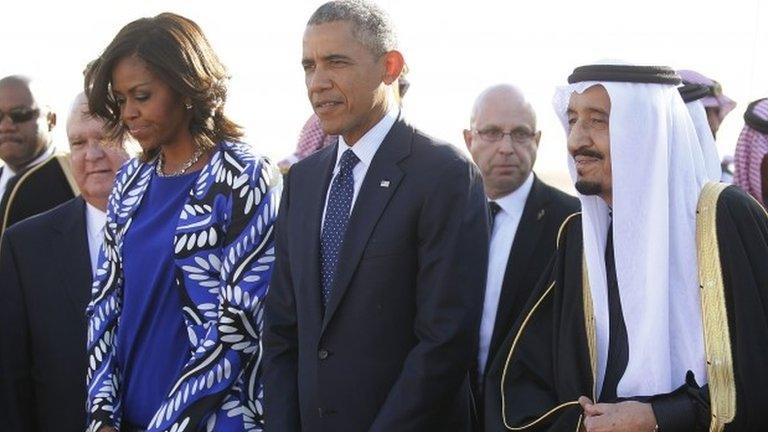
[(16, 187), (717, 341), (589, 324), (514, 345)]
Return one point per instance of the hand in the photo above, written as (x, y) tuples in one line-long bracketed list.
[(629, 416)]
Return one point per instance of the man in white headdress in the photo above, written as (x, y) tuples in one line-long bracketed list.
[(694, 96), (654, 313)]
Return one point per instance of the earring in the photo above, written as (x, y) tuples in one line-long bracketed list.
[(188, 106)]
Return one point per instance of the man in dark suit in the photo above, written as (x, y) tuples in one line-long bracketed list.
[(33, 179), (374, 304), (525, 212), (46, 267)]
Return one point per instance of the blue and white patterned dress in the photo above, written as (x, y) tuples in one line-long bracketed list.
[(223, 256)]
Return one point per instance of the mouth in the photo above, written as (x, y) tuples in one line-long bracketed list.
[(138, 131), (99, 172), (324, 107), (9, 140), (583, 161)]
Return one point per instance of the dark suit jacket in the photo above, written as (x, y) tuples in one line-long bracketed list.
[(393, 348), (532, 249), (545, 210), (35, 190), (45, 278)]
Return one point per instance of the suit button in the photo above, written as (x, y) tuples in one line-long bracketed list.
[(323, 354)]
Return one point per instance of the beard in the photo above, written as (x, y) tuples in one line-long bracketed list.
[(586, 187)]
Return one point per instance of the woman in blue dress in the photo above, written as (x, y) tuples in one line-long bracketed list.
[(176, 309)]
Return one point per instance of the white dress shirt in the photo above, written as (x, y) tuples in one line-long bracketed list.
[(365, 149), (95, 220), (504, 229), (6, 173)]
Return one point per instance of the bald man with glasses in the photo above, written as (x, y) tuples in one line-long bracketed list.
[(33, 179), (525, 213)]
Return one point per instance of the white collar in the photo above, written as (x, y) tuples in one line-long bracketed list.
[(95, 220), (514, 202), (365, 148)]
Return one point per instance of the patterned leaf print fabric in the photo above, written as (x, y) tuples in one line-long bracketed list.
[(223, 254)]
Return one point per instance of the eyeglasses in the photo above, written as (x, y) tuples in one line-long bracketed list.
[(20, 115), (519, 136)]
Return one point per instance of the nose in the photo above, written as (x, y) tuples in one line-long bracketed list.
[(318, 80), (578, 137), (94, 151), (6, 124), (506, 146), (129, 111)]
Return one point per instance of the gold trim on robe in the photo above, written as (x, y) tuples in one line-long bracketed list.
[(16, 187), (514, 345), (717, 339), (589, 324)]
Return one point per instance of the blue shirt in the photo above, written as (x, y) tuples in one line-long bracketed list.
[(152, 343)]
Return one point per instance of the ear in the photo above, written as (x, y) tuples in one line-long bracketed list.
[(468, 139), (537, 138), (393, 66), (51, 120)]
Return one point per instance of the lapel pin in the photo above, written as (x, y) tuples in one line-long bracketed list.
[(540, 215), (384, 183)]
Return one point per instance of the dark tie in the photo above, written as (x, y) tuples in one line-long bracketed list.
[(336, 219), (618, 344), (493, 209)]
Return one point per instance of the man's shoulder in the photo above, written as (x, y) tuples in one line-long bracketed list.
[(39, 226), (567, 204), (434, 151), (734, 198), (570, 229)]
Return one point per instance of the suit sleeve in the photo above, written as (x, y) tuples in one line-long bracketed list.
[(228, 357), (452, 254), (16, 393), (281, 335)]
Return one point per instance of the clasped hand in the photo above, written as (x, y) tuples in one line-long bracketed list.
[(629, 416)]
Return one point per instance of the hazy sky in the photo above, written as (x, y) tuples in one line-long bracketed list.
[(454, 50)]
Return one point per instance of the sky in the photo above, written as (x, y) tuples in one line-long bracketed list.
[(454, 50)]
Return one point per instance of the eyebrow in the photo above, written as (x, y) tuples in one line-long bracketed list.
[(133, 88), (327, 58)]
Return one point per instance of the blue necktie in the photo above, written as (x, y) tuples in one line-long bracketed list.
[(336, 220)]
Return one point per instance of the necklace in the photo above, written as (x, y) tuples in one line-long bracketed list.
[(191, 161)]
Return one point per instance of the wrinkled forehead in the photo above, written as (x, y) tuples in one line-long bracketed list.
[(592, 97), (80, 121)]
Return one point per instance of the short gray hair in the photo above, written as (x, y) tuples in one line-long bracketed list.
[(370, 24)]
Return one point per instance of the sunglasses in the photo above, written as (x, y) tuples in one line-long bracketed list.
[(20, 115)]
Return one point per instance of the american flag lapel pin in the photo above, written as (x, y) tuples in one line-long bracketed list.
[(384, 183)]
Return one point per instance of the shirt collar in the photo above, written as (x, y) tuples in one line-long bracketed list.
[(365, 148), (514, 202), (95, 220)]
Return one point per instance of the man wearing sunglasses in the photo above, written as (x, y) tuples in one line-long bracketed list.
[(32, 179)]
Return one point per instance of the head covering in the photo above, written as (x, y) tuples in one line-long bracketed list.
[(716, 99), (311, 139), (692, 95), (752, 148), (657, 174)]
